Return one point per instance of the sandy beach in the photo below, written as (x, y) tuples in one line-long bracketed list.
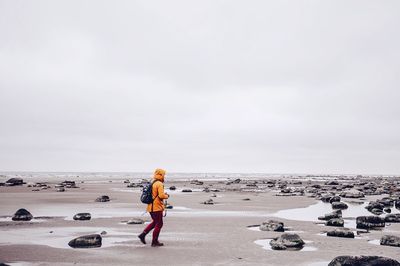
[(224, 233)]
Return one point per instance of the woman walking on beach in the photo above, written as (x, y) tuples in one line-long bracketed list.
[(156, 209)]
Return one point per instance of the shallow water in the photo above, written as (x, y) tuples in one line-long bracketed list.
[(60, 236), (320, 208)]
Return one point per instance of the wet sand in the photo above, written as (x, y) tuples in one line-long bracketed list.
[(193, 233)]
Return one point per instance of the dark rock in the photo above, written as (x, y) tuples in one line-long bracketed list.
[(368, 222), (103, 198), (272, 225), (363, 261), (60, 189), (172, 188), (352, 194), (339, 205), (392, 218), (287, 241), (209, 202), (15, 181), (186, 190), (246, 199), (326, 198), (332, 183), (374, 205), (135, 221), (341, 232), (397, 204), (103, 233), (376, 211), (334, 199), (389, 240), (387, 210), (22, 215), (169, 207), (88, 241), (335, 222), (332, 215), (82, 216)]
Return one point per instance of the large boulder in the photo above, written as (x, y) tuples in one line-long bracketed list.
[(22, 215), (352, 193), (15, 181), (87, 241), (335, 222), (82, 216), (103, 198), (272, 225), (375, 206), (341, 232), (369, 222), (339, 205), (332, 215), (363, 261), (392, 218), (287, 241), (389, 240)]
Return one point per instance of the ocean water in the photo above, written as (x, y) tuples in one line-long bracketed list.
[(111, 176)]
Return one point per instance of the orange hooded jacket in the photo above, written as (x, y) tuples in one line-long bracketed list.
[(158, 192)]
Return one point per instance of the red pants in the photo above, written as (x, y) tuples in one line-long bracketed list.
[(157, 224)]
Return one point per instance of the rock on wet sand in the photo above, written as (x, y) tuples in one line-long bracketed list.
[(287, 241), (390, 240), (363, 261), (87, 241), (272, 225), (22, 215)]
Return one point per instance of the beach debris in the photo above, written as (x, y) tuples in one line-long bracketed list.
[(390, 240), (83, 216), (246, 199), (168, 206), (363, 260), (186, 190), (369, 222), (352, 193), (103, 198), (87, 241), (335, 222), (22, 215), (339, 205), (341, 232), (272, 225), (135, 221), (392, 218), (172, 188), (287, 241), (332, 215), (15, 181)]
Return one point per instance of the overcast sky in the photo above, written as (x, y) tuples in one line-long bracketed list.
[(200, 86)]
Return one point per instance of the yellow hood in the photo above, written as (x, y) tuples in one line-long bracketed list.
[(159, 174)]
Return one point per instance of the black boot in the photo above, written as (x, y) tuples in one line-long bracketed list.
[(157, 244), (142, 237)]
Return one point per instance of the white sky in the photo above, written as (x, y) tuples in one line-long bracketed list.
[(200, 86)]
